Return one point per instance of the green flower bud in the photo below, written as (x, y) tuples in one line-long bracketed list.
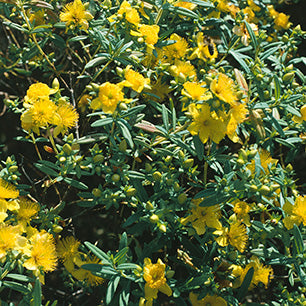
[(149, 205), (62, 159), (157, 176), (154, 218), (123, 146), (169, 182), (115, 178), (131, 192), (288, 77), (98, 158), (67, 149), (13, 169), (162, 228), (253, 188), (264, 190), (96, 192), (57, 228), (148, 167), (182, 198), (176, 187), (240, 162), (188, 163)]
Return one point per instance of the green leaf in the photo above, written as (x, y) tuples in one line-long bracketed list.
[(298, 240), (239, 58), (20, 277), (102, 122), (124, 295), (99, 253), (37, 293), (100, 270), (123, 241), (46, 169), (111, 289), (136, 175), (165, 117), (96, 61), (293, 111), (183, 11), (277, 87), (120, 255), (75, 183), (127, 266), (252, 34), (77, 38), (199, 147), (245, 284), (125, 132), (17, 287)]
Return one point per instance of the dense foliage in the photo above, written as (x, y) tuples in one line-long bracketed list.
[(158, 149)]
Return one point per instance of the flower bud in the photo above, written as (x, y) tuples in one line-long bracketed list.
[(12, 169), (62, 159), (149, 205), (57, 228), (98, 158), (154, 218), (115, 178), (55, 84), (96, 192), (122, 146), (188, 163), (176, 187), (253, 188), (162, 228), (288, 77), (67, 149), (182, 198), (148, 167), (131, 192), (264, 190), (157, 176)]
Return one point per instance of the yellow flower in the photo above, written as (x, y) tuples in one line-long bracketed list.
[(159, 89), (149, 33), (109, 97), (241, 209), (134, 80), (154, 275), (3, 209), (235, 236), (296, 212), (208, 300), (8, 190), (249, 14), (65, 117), (183, 69), (126, 10), (178, 49), (206, 124), (203, 216), (83, 102), (297, 119), (27, 210), (85, 275), (8, 238), (206, 49), (253, 6), (282, 21), (36, 92), (224, 89), (67, 248), (39, 115), (185, 4), (237, 115), (196, 91), (42, 254), (262, 274), (75, 15), (265, 160), (242, 31)]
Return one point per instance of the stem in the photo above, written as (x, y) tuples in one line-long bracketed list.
[(35, 145), (52, 142), (206, 163)]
